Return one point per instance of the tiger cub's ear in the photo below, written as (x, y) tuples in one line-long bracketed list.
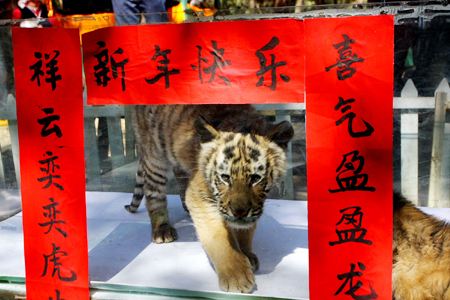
[(205, 130), (281, 134)]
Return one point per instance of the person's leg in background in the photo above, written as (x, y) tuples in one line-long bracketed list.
[(155, 11), (128, 12)]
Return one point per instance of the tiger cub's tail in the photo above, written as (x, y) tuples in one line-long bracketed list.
[(138, 193)]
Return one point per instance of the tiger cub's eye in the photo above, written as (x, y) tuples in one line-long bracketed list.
[(254, 178), (225, 178)]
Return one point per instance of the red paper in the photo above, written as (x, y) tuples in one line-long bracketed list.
[(50, 123), (349, 77), (162, 64)]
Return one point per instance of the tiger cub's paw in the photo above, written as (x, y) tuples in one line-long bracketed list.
[(164, 234), (237, 276)]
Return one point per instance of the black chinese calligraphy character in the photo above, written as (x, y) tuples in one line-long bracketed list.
[(355, 233), (58, 296), (115, 65), (200, 59), (164, 67), (54, 258), (101, 70), (346, 59), (350, 116), (354, 288), (37, 69), (218, 63), (52, 69), (272, 67), (349, 177), (50, 169), (51, 215), (47, 121)]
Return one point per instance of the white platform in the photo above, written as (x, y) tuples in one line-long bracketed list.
[(121, 251)]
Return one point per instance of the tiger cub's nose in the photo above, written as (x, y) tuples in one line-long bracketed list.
[(240, 212)]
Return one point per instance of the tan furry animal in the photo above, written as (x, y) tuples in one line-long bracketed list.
[(225, 158), (421, 255)]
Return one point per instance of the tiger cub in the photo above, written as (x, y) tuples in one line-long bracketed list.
[(225, 159), (421, 254)]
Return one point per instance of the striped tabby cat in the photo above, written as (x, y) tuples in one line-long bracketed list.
[(225, 159)]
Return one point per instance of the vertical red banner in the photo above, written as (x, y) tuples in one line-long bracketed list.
[(349, 111), (50, 122)]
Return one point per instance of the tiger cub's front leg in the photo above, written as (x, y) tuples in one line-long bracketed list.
[(245, 241), (233, 266)]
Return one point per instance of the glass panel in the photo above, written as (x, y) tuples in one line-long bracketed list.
[(421, 66)]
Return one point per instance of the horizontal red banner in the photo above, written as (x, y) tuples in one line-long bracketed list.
[(196, 63)]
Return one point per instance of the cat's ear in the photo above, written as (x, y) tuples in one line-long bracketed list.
[(281, 134), (205, 130)]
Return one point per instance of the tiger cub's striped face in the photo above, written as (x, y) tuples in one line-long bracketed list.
[(240, 169)]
